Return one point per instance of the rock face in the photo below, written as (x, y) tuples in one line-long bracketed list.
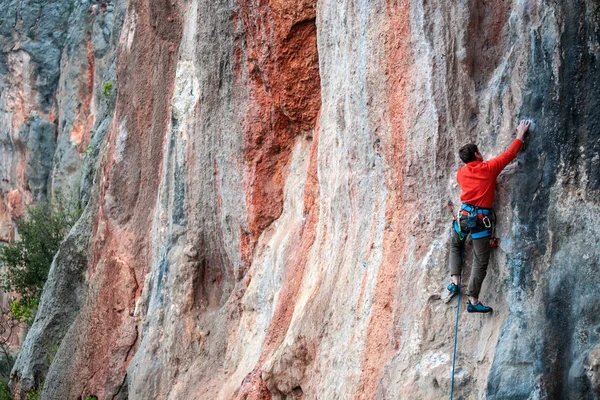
[(52, 55), (55, 59), (265, 187)]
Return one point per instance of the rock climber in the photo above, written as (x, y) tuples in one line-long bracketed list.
[(477, 181)]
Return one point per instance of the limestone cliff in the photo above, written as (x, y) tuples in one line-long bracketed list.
[(265, 184), (53, 57)]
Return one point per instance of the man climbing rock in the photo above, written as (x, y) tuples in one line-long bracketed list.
[(477, 181)]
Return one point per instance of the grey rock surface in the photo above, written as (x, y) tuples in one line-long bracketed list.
[(265, 189)]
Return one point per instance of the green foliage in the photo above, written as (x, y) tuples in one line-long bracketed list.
[(34, 395), (4, 391), (87, 398), (51, 353), (89, 150), (107, 89), (27, 262), (23, 310)]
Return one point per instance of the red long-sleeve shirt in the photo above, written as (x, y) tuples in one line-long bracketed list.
[(477, 179)]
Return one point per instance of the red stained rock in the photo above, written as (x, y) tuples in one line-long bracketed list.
[(7, 230), (84, 120), (381, 343), (253, 388), (240, 315), (284, 309), (16, 204), (120, 246), (285, 98)]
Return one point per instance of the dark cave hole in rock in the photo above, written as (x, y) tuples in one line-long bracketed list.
[(297, 391)]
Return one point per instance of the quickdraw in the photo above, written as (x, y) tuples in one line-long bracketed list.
[(450, 207), (461, 234), (494, 240)]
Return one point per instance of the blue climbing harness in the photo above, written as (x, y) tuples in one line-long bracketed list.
[(473, 214)]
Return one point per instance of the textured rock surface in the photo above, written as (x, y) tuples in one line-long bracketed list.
[(57, 58), (49, 53), (265, 190), (52, 56)]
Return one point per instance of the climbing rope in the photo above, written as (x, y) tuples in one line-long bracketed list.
[(455, 337), (450, 208)]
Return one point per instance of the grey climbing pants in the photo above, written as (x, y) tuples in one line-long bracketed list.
[(481, 257)]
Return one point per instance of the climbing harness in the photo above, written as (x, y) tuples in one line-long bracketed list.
[(473, 214)]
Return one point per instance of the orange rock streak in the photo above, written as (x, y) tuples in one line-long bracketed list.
[(285, 98), (120, 248), (380, 342), (84, 120), (253, 387)]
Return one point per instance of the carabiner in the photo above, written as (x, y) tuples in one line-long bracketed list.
[(486, 222)]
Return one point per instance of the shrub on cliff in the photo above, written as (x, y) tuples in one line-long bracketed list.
[(26, 262), (4, 391), (107, 89), (34, 395)]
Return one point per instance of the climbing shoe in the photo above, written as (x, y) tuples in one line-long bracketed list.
[(478, 308), (453, 288)]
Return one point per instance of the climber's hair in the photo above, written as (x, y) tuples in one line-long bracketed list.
[(467, 152)]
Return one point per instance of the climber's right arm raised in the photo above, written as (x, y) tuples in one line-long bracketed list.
[(497, 164)]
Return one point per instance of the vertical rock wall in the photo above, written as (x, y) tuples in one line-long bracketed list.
[(58, 63), (54, 58), (266, 187)]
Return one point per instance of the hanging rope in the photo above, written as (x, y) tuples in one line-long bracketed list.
[(450, 208), (455, 337), (456, 328)]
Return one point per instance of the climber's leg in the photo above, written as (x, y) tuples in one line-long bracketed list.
[(481, 258), (456, 259)]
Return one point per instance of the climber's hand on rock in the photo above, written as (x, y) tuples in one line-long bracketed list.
[(522, 128)]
